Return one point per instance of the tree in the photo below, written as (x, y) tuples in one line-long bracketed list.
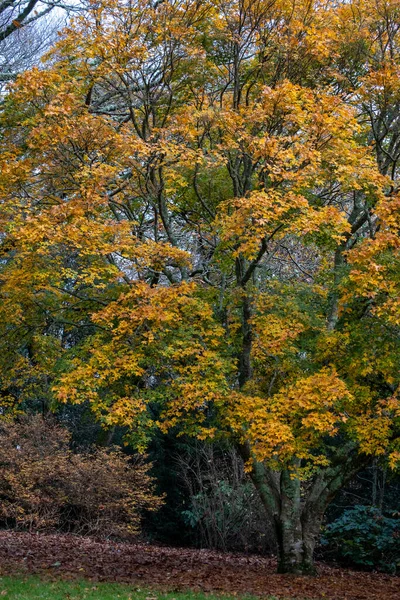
[(197, 235), (23, 49), (17, 14)]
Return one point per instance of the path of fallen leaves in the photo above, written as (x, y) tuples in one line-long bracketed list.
[(181, 568)]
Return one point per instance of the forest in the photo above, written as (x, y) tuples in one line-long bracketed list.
[(200, 289)]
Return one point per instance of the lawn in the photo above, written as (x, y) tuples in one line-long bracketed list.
[(34, 588)]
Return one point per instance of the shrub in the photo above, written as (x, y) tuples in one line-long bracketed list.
[(363, 537), (224, 509), (45, 486)]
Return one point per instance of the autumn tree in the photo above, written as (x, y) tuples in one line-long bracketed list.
[(200, 230)]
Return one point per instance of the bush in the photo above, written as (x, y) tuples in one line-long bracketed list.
[(364, 537), (224, 510), (44, 486)]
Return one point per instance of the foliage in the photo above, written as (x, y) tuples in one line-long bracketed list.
[(93, 297), (364, 537), (376, 485), (167, 525), (44, 486)]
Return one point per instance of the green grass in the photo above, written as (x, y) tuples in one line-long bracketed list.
[(34, 588)]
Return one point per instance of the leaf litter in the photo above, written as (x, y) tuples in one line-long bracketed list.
[(179, 569)]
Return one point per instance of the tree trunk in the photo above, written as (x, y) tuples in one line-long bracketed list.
[(297, 527), (296, 539), (297, 520)]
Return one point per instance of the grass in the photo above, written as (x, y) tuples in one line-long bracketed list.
[(34, 588)]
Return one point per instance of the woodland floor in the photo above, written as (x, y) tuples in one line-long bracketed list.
[(177, 569)]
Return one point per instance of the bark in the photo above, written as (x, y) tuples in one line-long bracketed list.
[(297, 527), (296, 543)]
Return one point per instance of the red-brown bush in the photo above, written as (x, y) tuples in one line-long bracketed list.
[(44, 486)]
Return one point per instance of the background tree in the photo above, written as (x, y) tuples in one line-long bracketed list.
[(17, 14), (23, 49)]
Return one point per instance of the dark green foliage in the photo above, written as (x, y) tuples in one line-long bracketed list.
[(224, 511), (168, 525), (364, 537)]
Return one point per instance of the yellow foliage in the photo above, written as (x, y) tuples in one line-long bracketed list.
[(193, 219)]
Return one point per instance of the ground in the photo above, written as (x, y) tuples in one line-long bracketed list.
[(176, 569)]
